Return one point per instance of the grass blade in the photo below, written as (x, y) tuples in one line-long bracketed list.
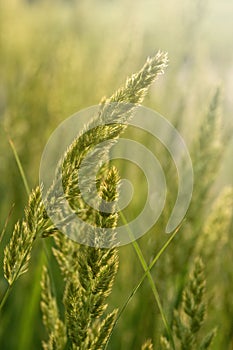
[(150, 279), (25, 182), (158, 255), (6, 222)]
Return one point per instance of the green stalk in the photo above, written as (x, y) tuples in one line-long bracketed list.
[(150, 279), (161, 251), (156, 258), (19, 166), (6, 222), (5, 296)]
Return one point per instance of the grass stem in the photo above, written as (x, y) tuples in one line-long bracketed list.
[(19, 166), (150, 279)]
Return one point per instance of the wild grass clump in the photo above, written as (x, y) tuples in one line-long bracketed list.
[(175, 291), (88, 272), (79, 317)]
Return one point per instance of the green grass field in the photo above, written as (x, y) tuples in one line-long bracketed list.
[(58, 57)]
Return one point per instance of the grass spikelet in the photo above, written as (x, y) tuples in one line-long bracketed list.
[(207, 341), (87, 288), (147, 345), (206, 155), (217, 224), (164, 343), (189, 319), (54, 326), (117, 108), (89, 271), (66, 254), (102, 331), (17, 252), (137, 85)]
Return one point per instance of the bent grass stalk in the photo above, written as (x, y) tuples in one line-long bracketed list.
[(22, 173), (148, 275), (135, 289), (6, 222)]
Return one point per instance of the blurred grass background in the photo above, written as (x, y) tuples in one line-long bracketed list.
[(57, 57)]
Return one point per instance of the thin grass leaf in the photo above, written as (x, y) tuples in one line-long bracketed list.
[(25, 182), (6, 223)]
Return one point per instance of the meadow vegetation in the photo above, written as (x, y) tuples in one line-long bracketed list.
[(57, 58)]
